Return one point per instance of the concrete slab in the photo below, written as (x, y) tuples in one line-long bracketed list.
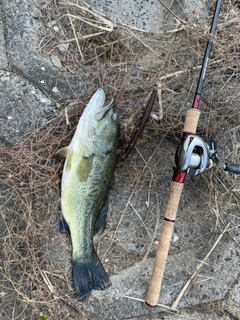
[(23, 108), (151, 15), (3, 54), (232, 300), (125, 298), (23, 23)]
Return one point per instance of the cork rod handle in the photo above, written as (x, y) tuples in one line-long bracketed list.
[(191, 121), (164, 244), (176, 188)]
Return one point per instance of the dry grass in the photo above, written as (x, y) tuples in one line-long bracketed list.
[(127, 62)]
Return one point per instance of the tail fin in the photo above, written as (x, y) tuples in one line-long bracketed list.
[(89, 274)]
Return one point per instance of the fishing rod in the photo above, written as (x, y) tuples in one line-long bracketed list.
[(192, 156)]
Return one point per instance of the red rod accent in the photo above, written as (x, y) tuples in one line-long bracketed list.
[(196, 100), (179, 176)]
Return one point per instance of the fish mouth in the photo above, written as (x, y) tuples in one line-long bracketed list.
[(95, 109), (102, 113), (96, 105)]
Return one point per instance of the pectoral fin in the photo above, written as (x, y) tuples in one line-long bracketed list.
[(63, 152), (84, 168), (69, 161)]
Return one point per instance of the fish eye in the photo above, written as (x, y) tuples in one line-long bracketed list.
[(114, 116)]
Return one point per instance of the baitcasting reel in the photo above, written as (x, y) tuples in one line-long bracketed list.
[(194, 155)]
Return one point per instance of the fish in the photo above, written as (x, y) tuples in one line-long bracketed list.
[(88, 171)]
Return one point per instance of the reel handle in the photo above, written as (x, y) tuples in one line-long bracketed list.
[(176, 187), (235, 168)]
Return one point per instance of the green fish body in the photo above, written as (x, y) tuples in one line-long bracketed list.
[(87, 173)]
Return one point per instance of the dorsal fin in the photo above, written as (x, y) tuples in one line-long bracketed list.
[(84, 168)]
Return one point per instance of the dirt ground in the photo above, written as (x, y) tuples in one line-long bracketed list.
[(35, 270)]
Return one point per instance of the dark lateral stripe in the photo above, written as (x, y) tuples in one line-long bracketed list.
[(169, 220)]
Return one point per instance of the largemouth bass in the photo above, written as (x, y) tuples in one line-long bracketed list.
[(87, 173)]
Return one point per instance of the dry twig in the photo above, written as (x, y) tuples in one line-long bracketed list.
[(198, 268)]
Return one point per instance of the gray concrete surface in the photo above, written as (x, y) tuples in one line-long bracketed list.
[(3, 55), (23, 106), (135, 281), (150, 15), (22, 22), (29, 87)]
